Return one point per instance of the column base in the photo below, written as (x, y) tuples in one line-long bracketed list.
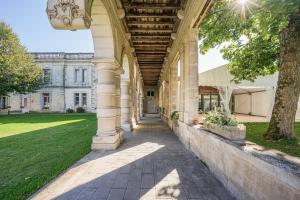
[(107, 142), (126, 127)]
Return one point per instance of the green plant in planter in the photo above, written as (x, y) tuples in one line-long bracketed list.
[(219, 117), (175, 117)]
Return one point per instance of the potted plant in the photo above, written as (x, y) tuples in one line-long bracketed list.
[(175, 117), (218, 122)]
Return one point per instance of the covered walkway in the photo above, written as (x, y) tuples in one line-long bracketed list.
[(151, 164)]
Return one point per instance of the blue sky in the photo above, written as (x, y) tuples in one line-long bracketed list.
[(29, 21)]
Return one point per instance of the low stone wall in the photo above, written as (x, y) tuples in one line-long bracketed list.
[(245, 174)]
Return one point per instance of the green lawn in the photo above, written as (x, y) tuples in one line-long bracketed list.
[(35, 148), (255, 134)]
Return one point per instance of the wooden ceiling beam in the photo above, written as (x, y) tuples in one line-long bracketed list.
[(137, 23), (150, 41), (151, 30), (150, 63), (151, 36), (150, 67), (152, 70), (149, 52), (150, 58), (150, 55), (148, 74), (149, 48), (151, 45), (151, 6), (151, 79), (161, 16)]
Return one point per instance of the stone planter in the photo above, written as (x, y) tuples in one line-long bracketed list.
[(235, 133)]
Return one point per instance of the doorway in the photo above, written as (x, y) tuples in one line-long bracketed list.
[(151, 105)]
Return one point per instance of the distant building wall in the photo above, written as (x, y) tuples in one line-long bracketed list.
[(67, 82)]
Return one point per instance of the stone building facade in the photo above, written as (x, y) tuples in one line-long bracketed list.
[(68, 81)]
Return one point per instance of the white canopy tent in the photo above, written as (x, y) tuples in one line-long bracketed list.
[(220, 78)]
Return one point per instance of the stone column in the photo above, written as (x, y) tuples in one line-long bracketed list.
[(108, 134), (191, 76), (182, 87), (125, 105), (141, 105), (118, 100)]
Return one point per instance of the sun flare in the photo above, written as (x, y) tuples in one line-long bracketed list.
[(243, 7)]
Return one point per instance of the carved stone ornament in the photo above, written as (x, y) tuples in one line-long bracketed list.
[(69, 14)]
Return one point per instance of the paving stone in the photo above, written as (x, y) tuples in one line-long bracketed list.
[(150, 164), (147, 194), (147, 181), (116, 194), (86, 193), (132, 194), (101, 194), (134, 184)]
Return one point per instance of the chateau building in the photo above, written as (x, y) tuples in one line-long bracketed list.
[(68, 82)]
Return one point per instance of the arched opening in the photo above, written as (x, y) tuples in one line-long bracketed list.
[(102, 32), (107, 79), (125, 95)]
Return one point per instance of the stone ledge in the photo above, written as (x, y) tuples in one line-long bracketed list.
[(247, 172)]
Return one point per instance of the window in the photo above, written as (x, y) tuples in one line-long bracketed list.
[(84, 99), (4, 102), (25, 102), (84, 73), (76, 75), (208, 102), (46, 99), (76, 99), (47, 76), (150, 93)]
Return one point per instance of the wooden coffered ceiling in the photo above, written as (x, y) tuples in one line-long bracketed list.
[(151, 23)]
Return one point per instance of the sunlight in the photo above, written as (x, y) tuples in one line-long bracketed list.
[(243, 7), (168, 186), (109, 163), (8, 129)]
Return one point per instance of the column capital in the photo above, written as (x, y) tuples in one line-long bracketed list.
[(106, 63), (193, 34)]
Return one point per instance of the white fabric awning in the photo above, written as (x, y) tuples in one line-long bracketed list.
[(221, 77)]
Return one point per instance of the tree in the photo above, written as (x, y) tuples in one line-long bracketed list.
[(259, 37), (18, 72)]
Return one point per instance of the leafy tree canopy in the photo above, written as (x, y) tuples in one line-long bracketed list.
[(18, 72), (249, 34)]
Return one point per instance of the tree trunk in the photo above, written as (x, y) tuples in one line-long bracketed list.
[(288, 85)]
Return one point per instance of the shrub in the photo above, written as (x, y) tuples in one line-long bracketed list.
[(218, 116), (80, 110), (175, 117), (70, 110)]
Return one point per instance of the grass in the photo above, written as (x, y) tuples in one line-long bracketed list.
[(35, 148), (255, 134)]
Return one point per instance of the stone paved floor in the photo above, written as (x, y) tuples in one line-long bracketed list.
[(150, 164)]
